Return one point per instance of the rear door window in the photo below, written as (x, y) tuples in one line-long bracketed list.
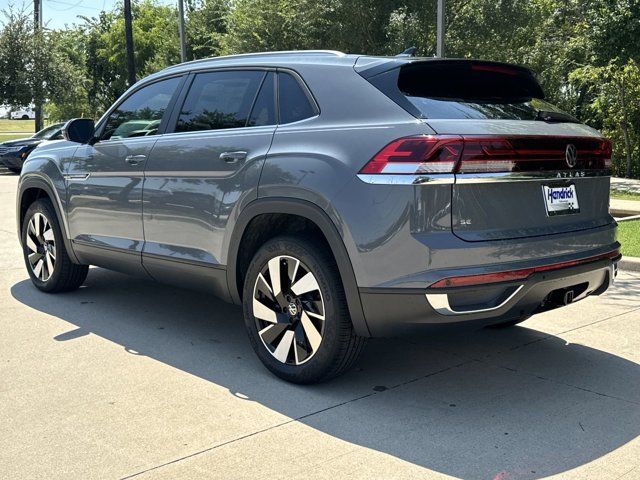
[(219, 100), (264, 108), (295, 104)]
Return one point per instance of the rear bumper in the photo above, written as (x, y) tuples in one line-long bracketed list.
[(391, 311)]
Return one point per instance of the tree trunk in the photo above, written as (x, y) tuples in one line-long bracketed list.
[(128, 37)]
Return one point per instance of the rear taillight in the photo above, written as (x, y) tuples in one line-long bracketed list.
[(462, 154), (416, 155)]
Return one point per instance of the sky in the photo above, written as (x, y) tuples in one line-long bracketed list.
[(57, 13)]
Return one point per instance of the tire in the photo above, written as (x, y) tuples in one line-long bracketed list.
[(24, 117), (303, 334), (45, 255)]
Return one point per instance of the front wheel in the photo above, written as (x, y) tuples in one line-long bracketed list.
[(49, 266), (296, 313)]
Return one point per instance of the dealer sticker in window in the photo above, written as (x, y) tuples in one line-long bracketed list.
[(560, 200)]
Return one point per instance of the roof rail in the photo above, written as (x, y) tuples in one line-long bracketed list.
[(260, 55)]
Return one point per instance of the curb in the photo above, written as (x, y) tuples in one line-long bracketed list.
[(623, 212), (629, 264)]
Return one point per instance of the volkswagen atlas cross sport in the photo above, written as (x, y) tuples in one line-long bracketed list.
[(335, 197)]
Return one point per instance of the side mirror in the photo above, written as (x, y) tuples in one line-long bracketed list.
[(79, 130)]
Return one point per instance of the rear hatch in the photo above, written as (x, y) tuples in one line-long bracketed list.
[(522, 167)]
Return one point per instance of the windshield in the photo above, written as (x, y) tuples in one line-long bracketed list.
[(52, 132)]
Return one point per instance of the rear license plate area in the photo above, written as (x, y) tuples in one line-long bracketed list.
[(560, 200)]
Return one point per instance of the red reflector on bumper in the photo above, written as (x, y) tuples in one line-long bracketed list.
[(521, 274)]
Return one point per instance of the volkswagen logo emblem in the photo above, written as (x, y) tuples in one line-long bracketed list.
[(571, 155)]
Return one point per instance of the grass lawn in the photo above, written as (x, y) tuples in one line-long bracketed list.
[(629, 237), (27, 126), (11, 136), (623, 195)]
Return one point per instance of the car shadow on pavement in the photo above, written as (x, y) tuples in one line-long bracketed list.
[(513, 403)]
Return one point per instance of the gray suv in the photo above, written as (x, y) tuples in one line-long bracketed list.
[(335, 197)]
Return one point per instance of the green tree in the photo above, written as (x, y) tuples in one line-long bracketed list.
[(155, 42), (262, 25), (32, 67), (206, 27)]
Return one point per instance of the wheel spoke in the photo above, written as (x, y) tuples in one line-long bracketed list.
[(36, 221), (261, 311), (313, 336), (272, 332), (262, 282), (274, 273), (49, 264), (292, 271), (314, 315), (34, 257), (31, 244), (48, 235), (308, 283), (38, 268), (283, 348)]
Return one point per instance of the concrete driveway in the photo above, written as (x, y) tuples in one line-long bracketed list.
[(126, 378)]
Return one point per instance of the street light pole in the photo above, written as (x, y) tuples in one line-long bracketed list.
[(440, 30), (37, 94), (128, 38), (183, 42)]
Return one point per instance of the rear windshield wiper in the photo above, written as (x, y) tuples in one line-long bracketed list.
[(555, 117)]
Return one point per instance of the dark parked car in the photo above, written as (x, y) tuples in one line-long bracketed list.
[(14, 152), (335, 197)]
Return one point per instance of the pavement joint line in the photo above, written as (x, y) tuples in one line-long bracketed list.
[(486, 361), (547, 337), (293, 420), (628, 472)]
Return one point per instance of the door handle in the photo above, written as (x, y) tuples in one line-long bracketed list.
[(233, 157), (135, 159)]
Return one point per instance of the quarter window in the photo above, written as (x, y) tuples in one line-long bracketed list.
[(294, 102), (218, 100), (141, 113)]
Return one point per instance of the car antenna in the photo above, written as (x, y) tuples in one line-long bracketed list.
[(409, 52)]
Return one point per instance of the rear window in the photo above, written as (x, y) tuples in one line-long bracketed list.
[(467, 90)]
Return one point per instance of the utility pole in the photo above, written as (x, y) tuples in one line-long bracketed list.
[(128, 38), (37, 94), (183, 41), (440, 30)]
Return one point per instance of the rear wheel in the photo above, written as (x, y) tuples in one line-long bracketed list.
[(296, 313), (45, 255)]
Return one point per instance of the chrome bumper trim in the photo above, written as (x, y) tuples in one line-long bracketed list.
[(440, 303)]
